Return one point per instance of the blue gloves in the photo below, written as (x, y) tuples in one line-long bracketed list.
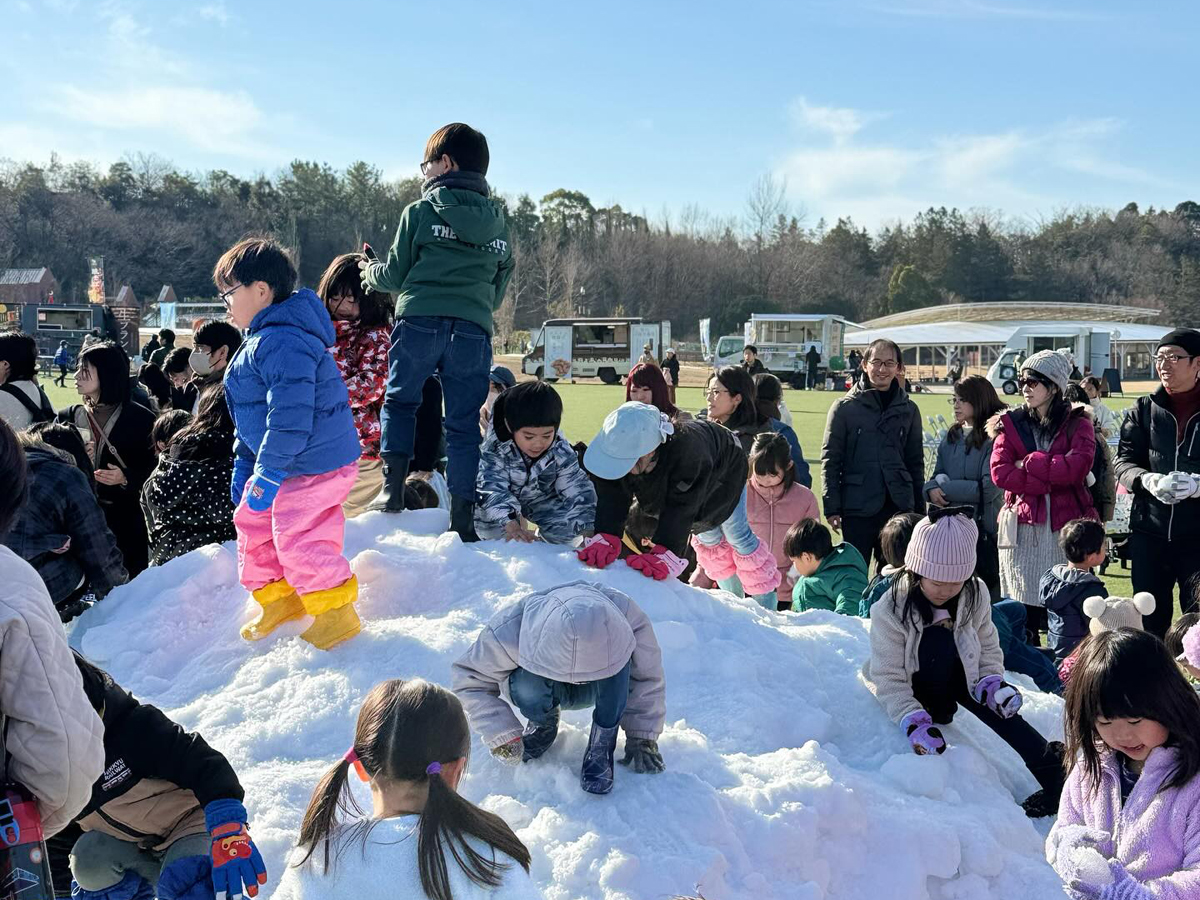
[(262, 488), (132, 887), (242, 470), (187, 878), (236, 862)]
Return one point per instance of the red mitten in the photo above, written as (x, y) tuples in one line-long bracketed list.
[(659, 563), (599, 550)]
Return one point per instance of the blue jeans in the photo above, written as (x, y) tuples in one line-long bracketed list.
[(536, 696), (461, 352), (1009, 618), (736, 530)]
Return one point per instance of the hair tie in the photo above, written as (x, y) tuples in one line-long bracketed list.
[(351, 756), (434, 768)]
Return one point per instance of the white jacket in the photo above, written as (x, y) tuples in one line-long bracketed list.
[(386, 869), (13, 411), (895, 644), (55, 740), (576, 633)]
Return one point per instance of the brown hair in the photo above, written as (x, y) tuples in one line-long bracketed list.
[(985, 403), (342, 278), (894, 538), (1128, 674), (403, 727), (771, 454), (257, 259), (463, 144)]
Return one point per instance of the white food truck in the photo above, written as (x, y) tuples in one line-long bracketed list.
[(593, 348), (783, 341), (1089, 347)]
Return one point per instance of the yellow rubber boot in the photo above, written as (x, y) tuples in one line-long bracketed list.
[(336, 620), (279, 604)]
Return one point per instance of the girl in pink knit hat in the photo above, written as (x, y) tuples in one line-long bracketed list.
[(934, 648), (1128, 826)]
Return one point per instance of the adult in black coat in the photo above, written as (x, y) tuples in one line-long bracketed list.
[(873, 456), (116, 431)]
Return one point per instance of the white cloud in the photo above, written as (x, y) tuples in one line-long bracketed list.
[(208, 119), (838, 170), (215, 12)]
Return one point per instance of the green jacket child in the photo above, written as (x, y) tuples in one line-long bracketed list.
[(829, 577)]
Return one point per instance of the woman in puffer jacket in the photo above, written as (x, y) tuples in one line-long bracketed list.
[(1041, 456), (186, 499)]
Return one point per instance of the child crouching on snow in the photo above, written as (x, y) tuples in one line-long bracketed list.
[(577, 646), (422, 838), (893, 541), (528, 469), (166, 818), (1129, 824), (934, 648), (296, 449)]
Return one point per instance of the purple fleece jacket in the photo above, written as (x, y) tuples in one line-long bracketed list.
[(1156, 836)]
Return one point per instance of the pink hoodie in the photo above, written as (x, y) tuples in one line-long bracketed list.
[(770, 521), (1155, 835)]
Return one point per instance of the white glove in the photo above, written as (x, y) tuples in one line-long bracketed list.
[(1160, 487), (1068, 838), (1184, 485), (1090, 481)]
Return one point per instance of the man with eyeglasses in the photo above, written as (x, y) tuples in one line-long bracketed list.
[(872, 457), (1158, 460)]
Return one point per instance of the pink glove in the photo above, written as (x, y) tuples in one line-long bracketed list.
[(599, 550), (659, 564), (998, 695), (922, 734)]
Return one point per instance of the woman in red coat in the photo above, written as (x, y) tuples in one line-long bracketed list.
[(1042, 456)]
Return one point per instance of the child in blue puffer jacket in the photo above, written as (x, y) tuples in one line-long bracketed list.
[(296, 449)]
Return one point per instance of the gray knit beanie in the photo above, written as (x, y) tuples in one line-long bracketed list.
[(1111, 613), (1051, 365)]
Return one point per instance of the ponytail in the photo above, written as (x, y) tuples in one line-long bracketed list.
[(321, 816), (445, 823)]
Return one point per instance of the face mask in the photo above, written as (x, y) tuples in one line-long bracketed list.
[(200, 362)]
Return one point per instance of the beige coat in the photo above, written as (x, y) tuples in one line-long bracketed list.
[(54, 739), (894, 645)]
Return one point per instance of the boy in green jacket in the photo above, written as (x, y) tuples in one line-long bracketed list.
[(829, 577), (448, 268)]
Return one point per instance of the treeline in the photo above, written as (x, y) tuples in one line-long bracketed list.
[(154, 224)]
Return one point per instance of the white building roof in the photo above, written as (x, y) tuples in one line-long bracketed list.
[(951, 334)]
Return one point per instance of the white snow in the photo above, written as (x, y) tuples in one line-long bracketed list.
[(784, 781)]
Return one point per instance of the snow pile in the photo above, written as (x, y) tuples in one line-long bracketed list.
[(784, 778)]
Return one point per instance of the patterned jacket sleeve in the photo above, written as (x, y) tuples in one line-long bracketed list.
[(366, 375), (497, 502), (91, 540), (574, 486)]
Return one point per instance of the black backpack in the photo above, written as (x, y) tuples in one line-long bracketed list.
[(42, 413)]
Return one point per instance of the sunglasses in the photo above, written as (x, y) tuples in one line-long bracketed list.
[(1032, 382)]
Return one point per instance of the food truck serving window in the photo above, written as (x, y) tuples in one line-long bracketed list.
[(56, 318), (601, 335)]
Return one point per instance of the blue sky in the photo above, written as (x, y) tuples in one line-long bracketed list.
[(875, 109)]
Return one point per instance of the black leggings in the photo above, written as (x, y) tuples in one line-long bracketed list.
[(940, 685)]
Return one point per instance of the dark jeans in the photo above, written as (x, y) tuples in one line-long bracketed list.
[(536, 696), (1009, 618), (1159, 565), (459, 351), (863, 533), (940, 685), (61, 380)]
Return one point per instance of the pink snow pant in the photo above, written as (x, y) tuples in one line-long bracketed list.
[(300, 537)]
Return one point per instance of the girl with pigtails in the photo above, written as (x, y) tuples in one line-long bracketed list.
[(421, 839)]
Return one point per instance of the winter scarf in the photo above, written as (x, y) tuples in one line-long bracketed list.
[(457, 181)]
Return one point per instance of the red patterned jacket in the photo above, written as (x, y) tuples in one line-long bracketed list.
[(362, 358)]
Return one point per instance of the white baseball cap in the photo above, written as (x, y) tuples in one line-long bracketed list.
[(629, 432)]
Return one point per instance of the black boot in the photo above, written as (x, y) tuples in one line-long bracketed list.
[(539, 738), (462, 518), (391, 496), (596, 776), (1049, 774)]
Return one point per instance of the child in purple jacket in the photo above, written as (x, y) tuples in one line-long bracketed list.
[(1129, 821)]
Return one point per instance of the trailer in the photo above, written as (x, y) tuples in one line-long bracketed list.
[(783, 341), (1090, 347), (49, 323), (593, 348)]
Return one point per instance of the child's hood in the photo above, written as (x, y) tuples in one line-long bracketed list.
[(844, 556), (1070, 575), (474, 218), (303, 310)]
